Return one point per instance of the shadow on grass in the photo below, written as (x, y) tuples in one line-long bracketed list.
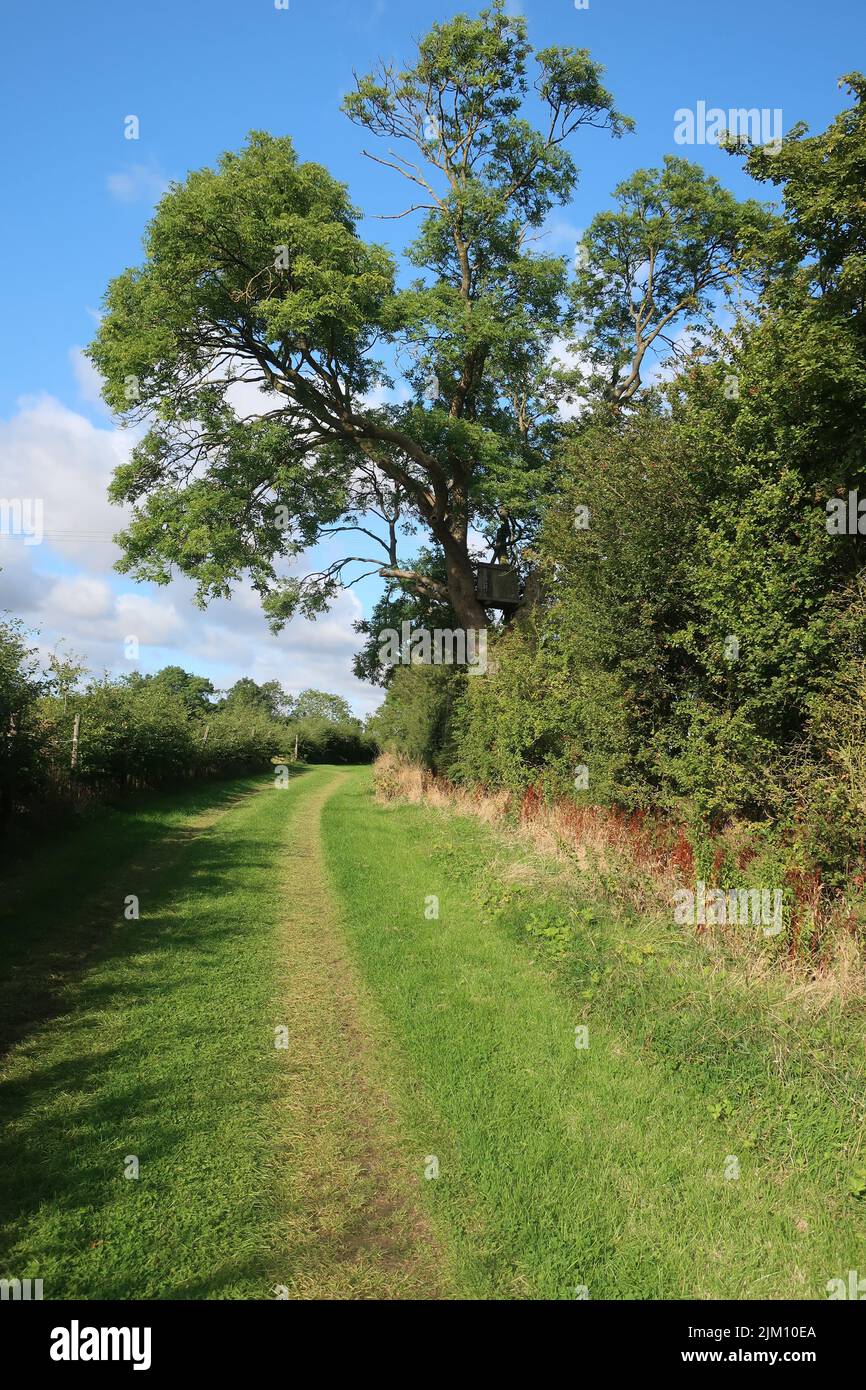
[(60, 902), (68, 1213), (154, 1047), (154, 1051)]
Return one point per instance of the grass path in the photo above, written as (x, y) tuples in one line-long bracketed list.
[(153, 1040), (354, 1227), (430, 976)]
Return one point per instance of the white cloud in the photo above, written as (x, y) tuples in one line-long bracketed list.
[(50, 452), (559, 236), (87, 378), (153, 622), (140, 183), (80, 600), (66, 589), (385, 395), (247, 399), (563, 356)]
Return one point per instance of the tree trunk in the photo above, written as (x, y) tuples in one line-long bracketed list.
[(461, 588)]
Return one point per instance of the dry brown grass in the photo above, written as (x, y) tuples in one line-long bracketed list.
[(628, 860)]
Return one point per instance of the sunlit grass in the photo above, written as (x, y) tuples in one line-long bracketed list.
[(433, 976), (610, 1167), (158, 1046)]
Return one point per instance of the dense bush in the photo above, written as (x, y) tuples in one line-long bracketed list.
[(19, 690), (323, 740), (416, 719), (699, 636), (149, 731)]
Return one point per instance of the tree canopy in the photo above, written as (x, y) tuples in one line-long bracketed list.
[(262, 339), (255, 275)]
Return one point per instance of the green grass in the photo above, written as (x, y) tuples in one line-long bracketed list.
[(603, 1167), (59, 894), (352, 1228), (263, 1172), (156, 1041), (411, 1037)]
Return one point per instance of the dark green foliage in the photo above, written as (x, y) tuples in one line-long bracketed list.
[(195, 691), (656, 265), (268, 698), (255, 273), (318, 704), (19, 690), (698, 642), (398, 605), (416, 720), (325, 740)]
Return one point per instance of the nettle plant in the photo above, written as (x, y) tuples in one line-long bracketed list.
[(262, 339)]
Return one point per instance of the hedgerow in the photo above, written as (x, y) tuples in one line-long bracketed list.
[(67, 740), (694, 643)]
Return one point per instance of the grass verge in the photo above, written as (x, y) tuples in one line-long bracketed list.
[(158, 1047), (707, 1143)]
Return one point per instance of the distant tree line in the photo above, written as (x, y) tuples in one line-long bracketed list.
[(68, 736)]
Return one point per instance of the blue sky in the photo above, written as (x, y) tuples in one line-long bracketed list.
[(199, 74)]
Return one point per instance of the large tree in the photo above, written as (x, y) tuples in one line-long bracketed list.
[(319, 704), (255, 275), (269, 697), (653, 271), (196, 692)]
